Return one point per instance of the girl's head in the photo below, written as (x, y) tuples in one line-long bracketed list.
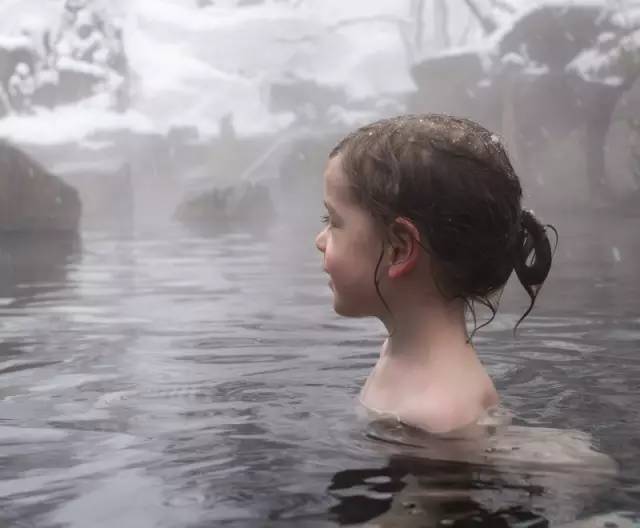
[(428, 202)]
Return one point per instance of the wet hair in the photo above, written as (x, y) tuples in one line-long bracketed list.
[(453, 179)]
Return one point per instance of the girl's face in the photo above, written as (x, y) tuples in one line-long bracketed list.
[(350, 245)]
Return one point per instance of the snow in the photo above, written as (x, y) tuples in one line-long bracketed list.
[(71, 123), (616, 254), (486, 47), (11, 42), (193, 66), (16, 14), (513, 58), (233, 56), (630, 18), (600, 63), (535, 69), (606, 65), (69, 64), (526, 9)]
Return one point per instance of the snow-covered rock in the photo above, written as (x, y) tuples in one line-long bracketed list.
[(614, 60), (73, 55), (16, 52), (235, 56), (556, 68), (553, 33), (457, 83)]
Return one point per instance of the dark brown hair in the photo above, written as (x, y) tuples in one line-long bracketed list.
[(453, 179)]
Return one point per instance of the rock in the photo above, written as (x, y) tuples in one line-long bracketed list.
[(33, 200), (124, 178), (457, 83), (308, 99), (622, 149), (554, 34), (78, 80), (528, 86), (246, 206), (107, 194), (85, 57), (46, 93), (13, 51)]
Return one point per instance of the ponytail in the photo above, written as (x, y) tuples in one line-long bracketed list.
[(532, 257)]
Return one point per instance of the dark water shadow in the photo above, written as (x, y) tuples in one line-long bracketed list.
[(411, 491), (506, 476), (33, 263)]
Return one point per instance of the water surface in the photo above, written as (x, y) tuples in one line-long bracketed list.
[(169, 379)]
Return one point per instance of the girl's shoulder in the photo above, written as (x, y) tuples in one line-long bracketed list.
[(440, 415), (495, 440), (441, 410)]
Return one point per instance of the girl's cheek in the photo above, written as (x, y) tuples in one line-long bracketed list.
[(329, 257)]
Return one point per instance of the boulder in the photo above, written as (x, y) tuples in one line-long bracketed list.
[(554, 34), (107, 194), (13, 51), (306, 98), (32, 199), (245, 206), (78, 80), (84, 58), (457, 83), (125, 179), (528, 84), (622, 148)]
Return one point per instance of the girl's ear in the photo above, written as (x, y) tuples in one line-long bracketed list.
[(405, 238)]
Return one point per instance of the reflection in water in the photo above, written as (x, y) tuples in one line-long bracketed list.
[(31, 262), (412, 491), (493, 476)]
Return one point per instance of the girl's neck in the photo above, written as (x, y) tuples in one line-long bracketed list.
[(428, 374), (428, 332)]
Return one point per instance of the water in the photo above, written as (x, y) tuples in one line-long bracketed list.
[(167, 379)]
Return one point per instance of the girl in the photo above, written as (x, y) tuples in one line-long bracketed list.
[(424, 219)]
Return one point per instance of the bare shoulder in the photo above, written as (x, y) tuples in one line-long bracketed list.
[(441, 413)]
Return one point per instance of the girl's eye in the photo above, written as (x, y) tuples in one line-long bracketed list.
[(324, 219)]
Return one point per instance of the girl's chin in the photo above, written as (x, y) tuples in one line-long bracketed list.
[(343, 309), (346, 306)]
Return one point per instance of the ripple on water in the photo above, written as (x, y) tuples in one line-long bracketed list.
[(188, 381)]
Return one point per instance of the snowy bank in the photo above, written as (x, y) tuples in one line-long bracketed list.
[(68, 124)]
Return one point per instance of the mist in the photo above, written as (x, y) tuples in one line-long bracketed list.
[(184, 97), (166, 331)]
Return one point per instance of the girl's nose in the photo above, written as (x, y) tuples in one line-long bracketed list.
[(320, 240)]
